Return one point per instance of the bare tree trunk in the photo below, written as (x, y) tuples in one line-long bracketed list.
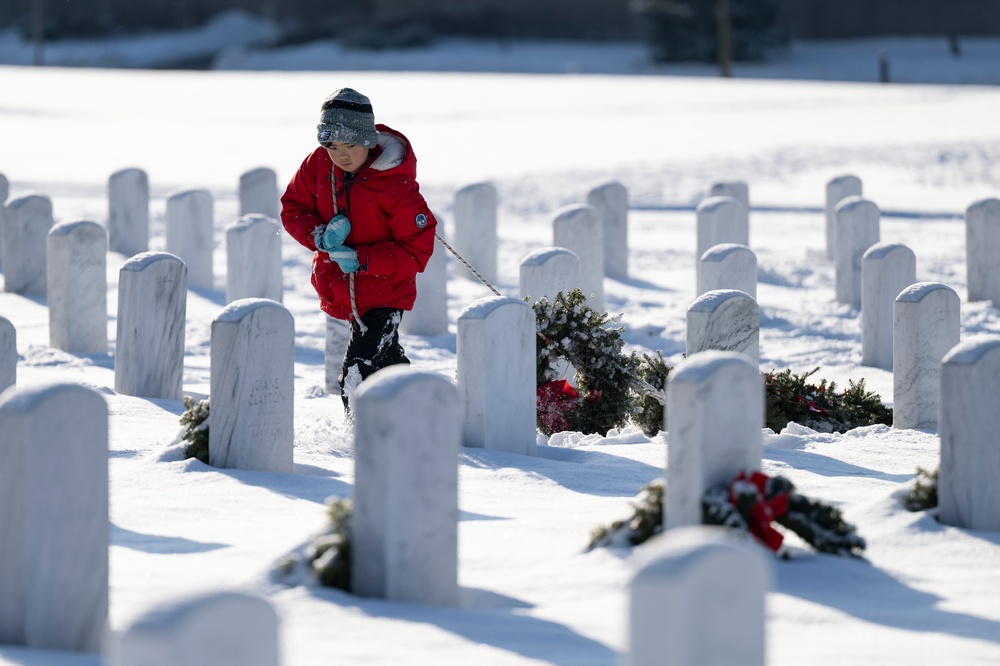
[(38, 30), (724, 36)]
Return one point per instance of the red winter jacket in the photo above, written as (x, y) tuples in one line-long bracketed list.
[(391, 226)]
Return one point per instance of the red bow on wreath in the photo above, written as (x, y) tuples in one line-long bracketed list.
[(764, 510), (554, 400)]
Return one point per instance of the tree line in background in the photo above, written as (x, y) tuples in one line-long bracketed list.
[(676, 30), (720, 31)]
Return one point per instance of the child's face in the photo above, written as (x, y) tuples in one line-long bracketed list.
[(348, 156)]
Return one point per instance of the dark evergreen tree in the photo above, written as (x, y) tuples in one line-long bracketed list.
[(687, 30)]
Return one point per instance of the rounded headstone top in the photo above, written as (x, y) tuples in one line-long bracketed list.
[(128, 171), (185, 192), (884, 249), (855, 203), (574, 210), (611, 187), (723, 250), (699, 366), (916, 292), (845, 180), (240, 308), (258, 172), (30, 199), (675, 551), (68, 227), (543, 254), (713, 203), (177, 612), (251, 219), (711, 300), (484, 307), (143, 260), (25, 399), (988, 206), (477, 188), (393, 379), (970, 351)]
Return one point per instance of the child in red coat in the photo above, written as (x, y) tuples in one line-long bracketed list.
[(356, 203)]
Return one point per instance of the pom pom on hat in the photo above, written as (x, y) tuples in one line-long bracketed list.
[(347, 116)]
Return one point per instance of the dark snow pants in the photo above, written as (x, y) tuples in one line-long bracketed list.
[(372, 350)]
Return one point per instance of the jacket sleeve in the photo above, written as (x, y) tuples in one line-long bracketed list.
[(412, 225), (299, 213)]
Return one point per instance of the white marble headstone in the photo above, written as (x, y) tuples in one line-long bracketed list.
[(715, 408), (721, 220), (251, 423), (968, 494), (856, 226), (475, 210), (253, 259), (728, 266), (429, 315), (926, 324), (338, 334), (837, 189), (580, 229), (152, 309), (54, 530), (612, 200), (737, 189), (190, 233), (26, 225), (724, 320), (548, 271), (886, 270), (404, 525), (693, 581), (8, 354), (128, 211), (212, 629), (259, 193), (982, 250), (78, 287), (496, 374)]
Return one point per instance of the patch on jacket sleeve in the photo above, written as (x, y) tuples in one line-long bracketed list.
[(420, 221)]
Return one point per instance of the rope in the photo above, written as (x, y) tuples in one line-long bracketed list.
[(354, 306), (467, 264), (659, 395), (354, 300)]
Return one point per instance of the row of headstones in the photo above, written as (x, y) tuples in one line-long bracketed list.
[(906, 326), (852, 228), (27, 221), (68, 264), (189, 216)]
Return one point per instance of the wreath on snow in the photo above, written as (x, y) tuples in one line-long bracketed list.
[(751, 502), (604, 394)]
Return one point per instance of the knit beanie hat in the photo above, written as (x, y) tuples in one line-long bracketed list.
[(347, 116)]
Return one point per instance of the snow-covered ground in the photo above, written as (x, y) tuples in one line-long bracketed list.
[(530, 593)]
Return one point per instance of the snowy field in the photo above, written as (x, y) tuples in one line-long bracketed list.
[(531, 594)]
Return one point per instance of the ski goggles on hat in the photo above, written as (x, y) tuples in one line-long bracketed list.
[(325, 137)]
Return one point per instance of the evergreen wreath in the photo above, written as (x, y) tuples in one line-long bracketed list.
[(749, 502), (790, 397), (924, 494), (195, 422), (604, 397), (327, 558), (329, 554)]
